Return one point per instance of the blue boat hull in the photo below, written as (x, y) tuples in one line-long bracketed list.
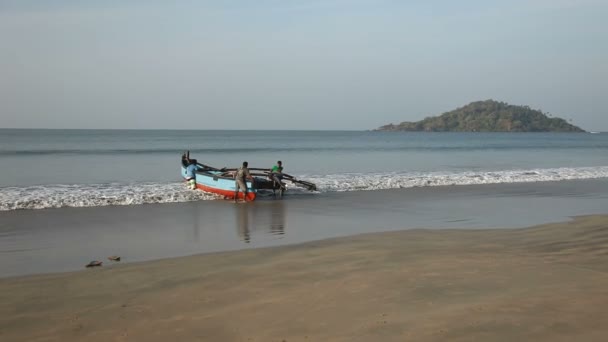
[(213, 182)]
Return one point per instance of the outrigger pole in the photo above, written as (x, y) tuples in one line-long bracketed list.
[(266, 172)]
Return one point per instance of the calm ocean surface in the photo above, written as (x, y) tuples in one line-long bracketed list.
[(83, 168)]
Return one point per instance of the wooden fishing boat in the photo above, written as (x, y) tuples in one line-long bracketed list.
[(221, 181)]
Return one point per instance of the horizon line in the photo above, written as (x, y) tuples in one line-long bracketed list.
[(266, 130), (183, 129)]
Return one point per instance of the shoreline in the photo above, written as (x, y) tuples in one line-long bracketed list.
[(546, 282), (297, 245), (61, 240)]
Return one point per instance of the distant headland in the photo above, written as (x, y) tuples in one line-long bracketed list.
[(487, 116)]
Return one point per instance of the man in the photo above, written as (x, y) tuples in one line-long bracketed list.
[(242, 174), (278, 169), (191, 173), (276, 175)]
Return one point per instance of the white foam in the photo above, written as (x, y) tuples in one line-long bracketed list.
[(396, 180), (90, 195)]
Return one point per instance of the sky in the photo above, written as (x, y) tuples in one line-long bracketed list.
[(310, 64)]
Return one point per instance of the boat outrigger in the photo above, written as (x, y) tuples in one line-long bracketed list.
[(221, 181)]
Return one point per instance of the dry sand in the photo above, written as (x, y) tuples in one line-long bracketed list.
[(547, 283)]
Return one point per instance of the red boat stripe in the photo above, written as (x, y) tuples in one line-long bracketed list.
[(227, 193)]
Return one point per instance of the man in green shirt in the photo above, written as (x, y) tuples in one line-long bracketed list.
[(276, 174), (278, 169)]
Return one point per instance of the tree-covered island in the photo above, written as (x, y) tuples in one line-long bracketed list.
[(488, 116)]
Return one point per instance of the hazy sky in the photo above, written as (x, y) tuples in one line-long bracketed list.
[(280, 64)]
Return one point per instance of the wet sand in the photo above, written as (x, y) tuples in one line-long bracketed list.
[(546, 283), (61, 240)]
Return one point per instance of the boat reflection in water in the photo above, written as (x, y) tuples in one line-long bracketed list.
[(264, 217)]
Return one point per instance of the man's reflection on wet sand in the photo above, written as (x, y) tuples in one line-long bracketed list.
[(196, 229), (277, 218), (242, 222), (267, 217)]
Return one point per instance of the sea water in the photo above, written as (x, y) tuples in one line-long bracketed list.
[(86, 168)]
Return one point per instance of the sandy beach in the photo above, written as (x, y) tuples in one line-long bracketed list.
[(415, 171), (545, 283)]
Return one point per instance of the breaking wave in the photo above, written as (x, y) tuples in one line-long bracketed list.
[(91, 195), (96, 195), (395, 180)]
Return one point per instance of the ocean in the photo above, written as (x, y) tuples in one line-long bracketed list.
[(88, 168), (71, 196)]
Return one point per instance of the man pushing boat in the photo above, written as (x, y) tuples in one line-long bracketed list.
[(276, 175), (191, 169), (242, 174)]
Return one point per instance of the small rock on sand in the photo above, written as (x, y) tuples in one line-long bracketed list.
[(94, 263)]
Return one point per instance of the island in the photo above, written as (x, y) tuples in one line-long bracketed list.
[(487, 116)]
